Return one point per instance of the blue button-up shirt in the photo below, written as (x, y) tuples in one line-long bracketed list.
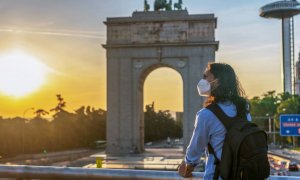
[(208, 129)]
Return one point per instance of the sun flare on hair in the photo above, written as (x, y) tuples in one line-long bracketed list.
[(20, 73)]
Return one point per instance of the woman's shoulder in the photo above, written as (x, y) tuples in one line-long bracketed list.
[(204, 112), (206, 118), (227, 107)]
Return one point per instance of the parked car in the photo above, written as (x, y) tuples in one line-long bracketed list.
[(293, 166), (286, 146), (168, 140), (148, 143)]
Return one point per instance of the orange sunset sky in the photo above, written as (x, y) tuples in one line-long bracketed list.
[(54, 47)]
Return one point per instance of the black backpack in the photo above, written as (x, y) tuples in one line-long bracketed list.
[(245, 149)]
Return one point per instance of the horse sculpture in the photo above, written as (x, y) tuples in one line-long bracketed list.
[(159, 4), (146, 6), (169, 6), (178, 5), (163, 4)]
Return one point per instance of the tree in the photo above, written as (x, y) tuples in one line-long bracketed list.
[(40, 112), (266, 105), (262, 109), (289, 105), (66, 130), (61, 104), (160, 125), (273, 105)]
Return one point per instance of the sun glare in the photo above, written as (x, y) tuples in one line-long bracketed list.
[(20, 74)]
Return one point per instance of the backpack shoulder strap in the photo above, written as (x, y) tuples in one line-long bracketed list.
[(216, 162), (226, 121), (223, 118)]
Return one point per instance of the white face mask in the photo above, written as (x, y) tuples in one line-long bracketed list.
[(204, 87)]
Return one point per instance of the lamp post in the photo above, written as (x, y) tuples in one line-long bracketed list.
[(274, 140), (270, 128)]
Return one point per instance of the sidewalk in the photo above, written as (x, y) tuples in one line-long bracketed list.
[(152, 158)]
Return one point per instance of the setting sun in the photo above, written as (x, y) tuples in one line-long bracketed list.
[(20, 73)]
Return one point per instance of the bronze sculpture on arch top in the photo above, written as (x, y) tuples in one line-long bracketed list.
[(163, 4)]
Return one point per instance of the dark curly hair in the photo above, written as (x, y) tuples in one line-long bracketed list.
[(227, 88)]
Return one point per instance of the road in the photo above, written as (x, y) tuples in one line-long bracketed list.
[(279, 159)]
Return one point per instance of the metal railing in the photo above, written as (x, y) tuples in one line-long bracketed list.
[(51, 172), (21, 172)]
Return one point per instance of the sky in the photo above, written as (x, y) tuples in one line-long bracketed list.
[(65, 36)]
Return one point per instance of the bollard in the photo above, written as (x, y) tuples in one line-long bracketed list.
[(99, 162)]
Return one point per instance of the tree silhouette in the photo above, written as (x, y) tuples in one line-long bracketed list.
[(160, 125), (61, 104), (146, 6), (64, 132), (40, 112)]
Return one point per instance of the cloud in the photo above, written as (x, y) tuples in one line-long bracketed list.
[(60, 32), (262, 47)]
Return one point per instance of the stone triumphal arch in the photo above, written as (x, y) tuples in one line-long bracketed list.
[(138, 45)]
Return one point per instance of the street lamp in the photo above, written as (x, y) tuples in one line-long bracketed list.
[(270, 128), (273, 130)]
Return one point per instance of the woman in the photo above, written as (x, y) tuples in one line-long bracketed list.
[(222, 87)]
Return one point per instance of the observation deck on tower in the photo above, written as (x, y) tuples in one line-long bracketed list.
[(280, 9)]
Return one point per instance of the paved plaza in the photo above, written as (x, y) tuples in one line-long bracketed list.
[(152, 158)]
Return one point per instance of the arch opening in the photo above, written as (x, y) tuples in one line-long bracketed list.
[(162, 89)]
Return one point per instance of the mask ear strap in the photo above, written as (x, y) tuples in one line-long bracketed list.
[(216, 79), (215, 82)]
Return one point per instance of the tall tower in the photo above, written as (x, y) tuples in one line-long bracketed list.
[(285, 10), (297, 80)]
